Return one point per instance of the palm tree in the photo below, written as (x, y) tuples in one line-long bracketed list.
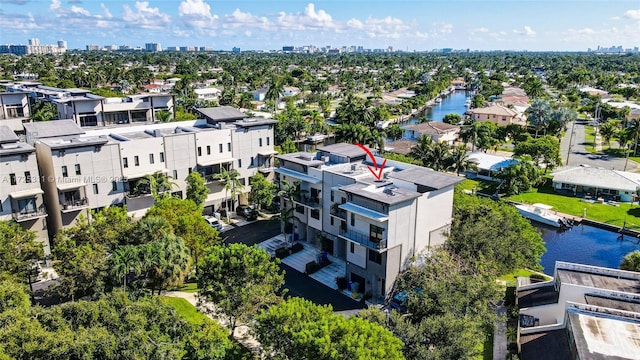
[(276, 89), (459, 160), (289, 192), (163, 116), (166, 261), (159, 183), (440, 155), (246, 101), (538, 114), (231, 183), (125, 259), (607, 131), (423, 150)]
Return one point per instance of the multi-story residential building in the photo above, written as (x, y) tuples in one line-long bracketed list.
[(377, 226), (92, 169), (584, 312), (14, 109), (90, 110), (497, 114), (20, 194)]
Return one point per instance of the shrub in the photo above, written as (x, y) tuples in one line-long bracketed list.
[(296, 247), (282, 253), (341, 282), (311, 267)]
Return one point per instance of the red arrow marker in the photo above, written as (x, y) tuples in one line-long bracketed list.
[(377, 172)]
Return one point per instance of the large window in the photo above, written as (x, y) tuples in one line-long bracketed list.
[(65, 173), (125, 162), (315, 213), (375, 233), (375, 256)]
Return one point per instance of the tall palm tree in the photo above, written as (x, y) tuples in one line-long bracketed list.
[(159, 183), (166, 261), (423, 150), (538, 114), (276, 89), (439, 156), (289, 192), (246, 101), (125, 260), (230, 181), (459, 160)]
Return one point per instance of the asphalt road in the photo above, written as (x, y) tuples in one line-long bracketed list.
[(296, 283), (252, 233), (578, 155)]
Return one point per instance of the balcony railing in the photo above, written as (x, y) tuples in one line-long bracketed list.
[(364, 239), (24, 215), (310, 202), (336, 211), (135, 195), (266, 168), (74, 204)]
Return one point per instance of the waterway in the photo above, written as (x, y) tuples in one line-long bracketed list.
[(451, 104), (584, 244)]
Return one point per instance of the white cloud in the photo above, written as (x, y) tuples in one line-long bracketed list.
[(145, 17), (80, 10), (441, 28), (55, 5), (247, 33), (309, 19), (355, 24), (106, 11), (526, 31), (422, 35), (240, 19), (197, 14), (632, 14), (480, 30)]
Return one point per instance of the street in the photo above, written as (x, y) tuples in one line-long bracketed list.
[(252, 233)]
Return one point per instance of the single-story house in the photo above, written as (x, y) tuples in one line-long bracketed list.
[(438, 131), (488, 165), (597, 182), (498, 114), (290, 91), (259, 95), (207, 93)]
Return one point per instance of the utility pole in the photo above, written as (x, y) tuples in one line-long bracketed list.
[(573, 125)]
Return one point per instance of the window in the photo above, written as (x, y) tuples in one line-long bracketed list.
[(331, 195), (27, 176), (12, 178), (151, 159), (239, 163), (300, 209), (375, 233), (175, 174), (260, 142), (220, 148), (125, 163), (114, 186), (268, 140), (95, 189), (331, 219), (229, 146), (64, 171), (352, 247), (315, 213), (136, 160), (243, 182), (208, 149), (251, 161), (190, 169), (78, 172), (199, 151), (161, 157), (353, 219), (375, 257)]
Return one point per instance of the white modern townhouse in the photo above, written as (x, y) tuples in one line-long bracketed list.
[(584, 312), (21, 197), (14, 109), (376, 225), (91, 110)]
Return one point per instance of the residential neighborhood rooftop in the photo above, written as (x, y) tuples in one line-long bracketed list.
[(597, 177), (222, 113), (433, 127), (343, 149), (429, 178), (388, 194), (55, 128), (614, 282), (495, 109)]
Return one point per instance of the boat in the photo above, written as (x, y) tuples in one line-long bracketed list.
[(438, 100), (542, 214)]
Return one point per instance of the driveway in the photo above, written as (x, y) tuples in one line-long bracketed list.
[(252, 233), (577, 153)]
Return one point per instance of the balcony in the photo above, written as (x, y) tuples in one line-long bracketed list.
[(337, 212), (266, 168), (313, 203), (364, 239), (30, 214), (74, 204), (137, 194)]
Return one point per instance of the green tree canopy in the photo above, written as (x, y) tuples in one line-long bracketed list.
[(299, 329), (197, 191), (544, 150), (239, 280), (631, 261), (18, 251), (262, 191)]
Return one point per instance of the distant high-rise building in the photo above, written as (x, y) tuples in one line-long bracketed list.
[(287, 48), (34, 41), (152, 47), (34, 47), (124, 47), (206, 48), (62, 44), (235, 50), (173, 48), (93, 47)]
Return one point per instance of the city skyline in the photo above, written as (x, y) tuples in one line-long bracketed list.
[(254, 25)]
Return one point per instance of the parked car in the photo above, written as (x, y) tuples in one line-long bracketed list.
[(247, 212), (215, 223)]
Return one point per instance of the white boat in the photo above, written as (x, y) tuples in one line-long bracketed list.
[(541, 213)]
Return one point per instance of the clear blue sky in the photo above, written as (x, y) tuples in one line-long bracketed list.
[(266, 24)]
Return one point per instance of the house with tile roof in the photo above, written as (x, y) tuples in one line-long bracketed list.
[(498, 114), (438, 131)]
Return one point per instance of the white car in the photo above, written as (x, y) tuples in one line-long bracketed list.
[(215, 223)]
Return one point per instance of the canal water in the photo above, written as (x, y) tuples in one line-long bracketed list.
[(452, 104), (585, 244)]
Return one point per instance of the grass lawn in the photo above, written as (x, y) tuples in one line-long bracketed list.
[(185, 309), (187, 287), (614, 215), (481, 186), (512, 277), (590, 138)]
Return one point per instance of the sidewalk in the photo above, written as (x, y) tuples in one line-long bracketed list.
[(242, 333)]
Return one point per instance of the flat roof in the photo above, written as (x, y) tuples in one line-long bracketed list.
[(222, 113), (597, 177), (302, 158), (547, 345), (600, 281), (363, 211), (254, 122), (539, 296), (429, 178), (601, 336), (297, 175), (393, 195), (343, 149), (613, 303), (53, 128), (7, 135)]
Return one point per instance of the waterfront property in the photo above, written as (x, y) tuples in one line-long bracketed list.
[(438, 131), (597, 184), (377, 226), (498, 114), (20, 194), (585, 312), (487, 165)]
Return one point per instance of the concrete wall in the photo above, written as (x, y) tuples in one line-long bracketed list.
[(215, 140), (435, 212), (142, 148), (246, 145), (180, 157)]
